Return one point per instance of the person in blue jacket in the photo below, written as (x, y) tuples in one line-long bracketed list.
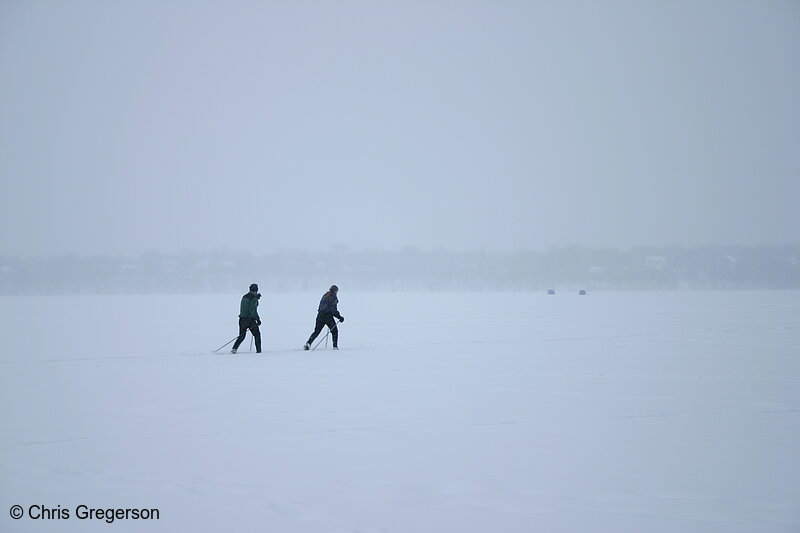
[(325, 317)]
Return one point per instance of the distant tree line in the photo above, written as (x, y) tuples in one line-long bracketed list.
[(711, 267)]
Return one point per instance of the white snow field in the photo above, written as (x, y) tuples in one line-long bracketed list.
[(476, 412)]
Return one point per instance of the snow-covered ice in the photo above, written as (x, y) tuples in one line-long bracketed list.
[(475, 412)]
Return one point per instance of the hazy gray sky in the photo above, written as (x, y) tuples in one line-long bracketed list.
[(128, 126)]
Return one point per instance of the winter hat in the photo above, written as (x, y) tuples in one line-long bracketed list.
[(334, 288), (253, 288)]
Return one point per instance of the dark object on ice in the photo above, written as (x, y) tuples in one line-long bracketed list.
[(249, 319), (551, 291), (582, 292), (326, 313)]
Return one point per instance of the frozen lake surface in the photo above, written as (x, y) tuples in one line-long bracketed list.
[(475, 412)]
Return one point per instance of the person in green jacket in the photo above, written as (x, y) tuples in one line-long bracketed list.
[(249, 319)]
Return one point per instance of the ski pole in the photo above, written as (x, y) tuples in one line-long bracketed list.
[(336, 325), (227, 343)]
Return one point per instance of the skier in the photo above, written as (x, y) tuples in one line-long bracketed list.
[(325, 317), (249, 319)]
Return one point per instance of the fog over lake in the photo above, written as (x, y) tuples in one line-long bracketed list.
[(133, 127)]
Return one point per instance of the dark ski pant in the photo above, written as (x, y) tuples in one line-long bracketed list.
[(244, 325), (325, 319)]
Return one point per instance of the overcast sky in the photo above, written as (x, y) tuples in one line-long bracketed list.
[(129, 126)]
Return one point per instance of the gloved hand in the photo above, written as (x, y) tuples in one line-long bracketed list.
[(258, 321), (341, 319)]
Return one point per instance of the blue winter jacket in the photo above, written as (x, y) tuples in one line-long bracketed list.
[(328, 304)]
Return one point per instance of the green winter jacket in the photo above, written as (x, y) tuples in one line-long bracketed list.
[(249, 306)]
